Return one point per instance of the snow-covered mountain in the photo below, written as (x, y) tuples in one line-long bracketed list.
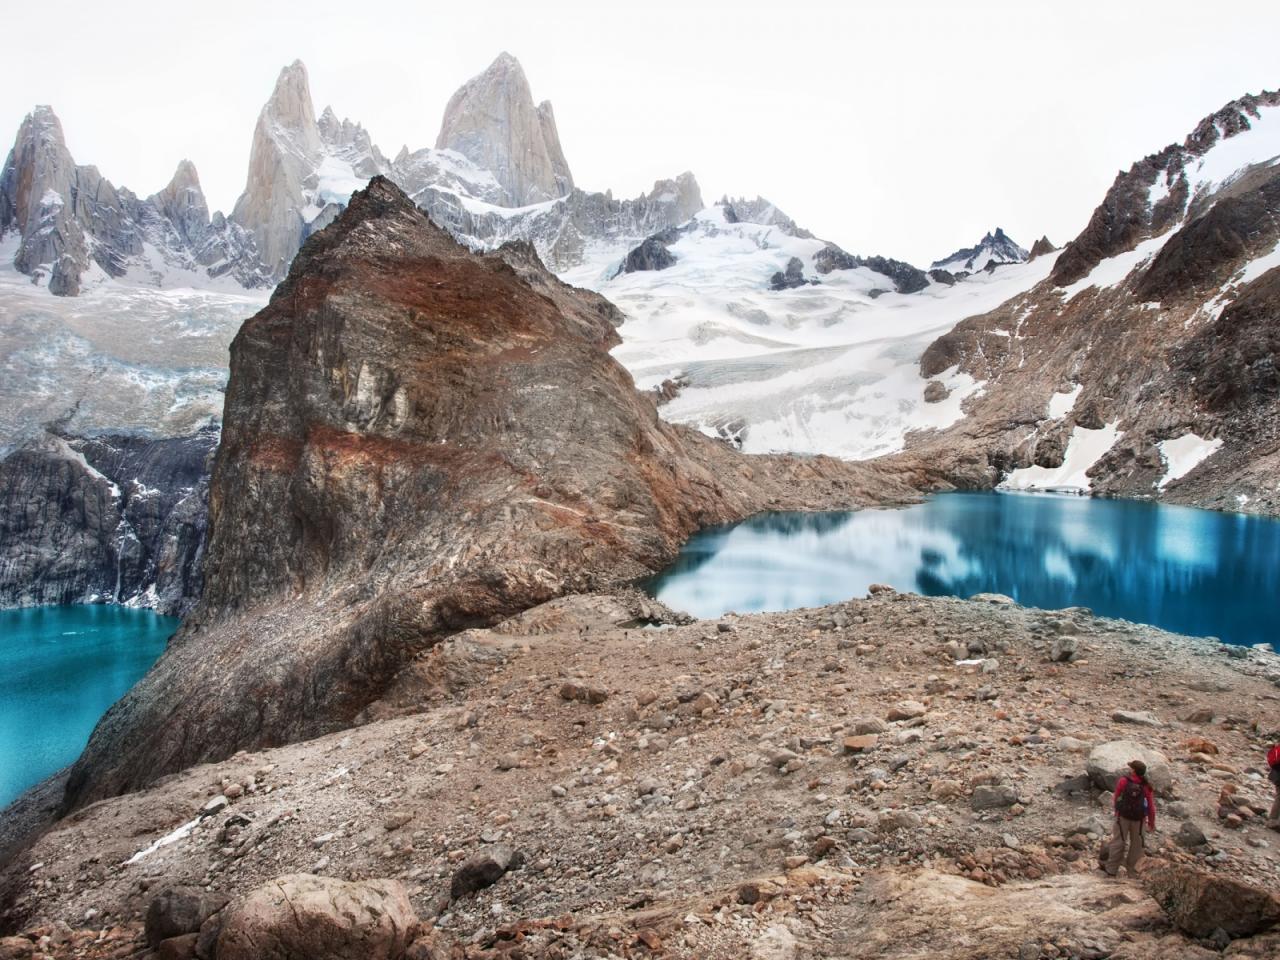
[(750, 328), (995, 249), (1145, 363), (496, 174)]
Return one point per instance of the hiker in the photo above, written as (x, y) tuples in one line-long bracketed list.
[(1273, 761), (1134, 801)]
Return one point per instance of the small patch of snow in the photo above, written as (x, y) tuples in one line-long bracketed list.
[(1084, 449), (1060, 404), (181, 833), (1183, 454)]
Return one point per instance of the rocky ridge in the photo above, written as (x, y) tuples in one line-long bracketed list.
[(400, 460), (875, 778), (1144, 365), (69, 222)]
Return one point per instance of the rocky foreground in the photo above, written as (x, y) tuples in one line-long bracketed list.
[(888, 777)]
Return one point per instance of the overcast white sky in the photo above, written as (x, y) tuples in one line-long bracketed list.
[(906, 128)]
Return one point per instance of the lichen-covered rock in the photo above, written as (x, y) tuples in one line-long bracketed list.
[(305, 917)]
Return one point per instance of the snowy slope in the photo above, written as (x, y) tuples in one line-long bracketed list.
[(831, 367)]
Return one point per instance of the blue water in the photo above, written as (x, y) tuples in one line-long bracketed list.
[(60, 669), (1190, 571)]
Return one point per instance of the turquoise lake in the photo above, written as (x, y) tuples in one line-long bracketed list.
[(60, 669), (1191, 571)]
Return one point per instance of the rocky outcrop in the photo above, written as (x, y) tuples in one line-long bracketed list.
[(415, 441), (905, 277), (1201, 903), (492, 121), (1041, 247), (69, 218), (652, 254), (763, 212), (104, 519), (1153, 194), (790, 277)]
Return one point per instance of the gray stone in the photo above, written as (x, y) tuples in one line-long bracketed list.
[(991, 797), (180, 911), (1109, 761), (484, 870)]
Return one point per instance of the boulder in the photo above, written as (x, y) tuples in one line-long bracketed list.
[(1109, 761), (484, 870), (1199, 902), (989, 797), (860, 743), (906, 710), (305, 917), (935, 391), (16, 948), (178, 912), (1190, 836), (1142, 718), (1063, 649)]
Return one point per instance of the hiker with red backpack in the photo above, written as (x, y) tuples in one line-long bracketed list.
[(1273, 761), (1134, 802)]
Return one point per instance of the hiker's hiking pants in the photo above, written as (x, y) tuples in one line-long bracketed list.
[(1127, 834)]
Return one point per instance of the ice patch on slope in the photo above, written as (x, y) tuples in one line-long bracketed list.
[(1084, 449), (1113, 270), (1230, 156), (1183, 454)]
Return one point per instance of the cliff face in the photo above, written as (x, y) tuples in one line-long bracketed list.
[(119, 519), (416, 440)]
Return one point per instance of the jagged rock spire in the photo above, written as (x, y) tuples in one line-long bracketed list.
[(286, 149), (492, 121)]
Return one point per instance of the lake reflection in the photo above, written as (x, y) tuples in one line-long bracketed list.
[(1192, 571)]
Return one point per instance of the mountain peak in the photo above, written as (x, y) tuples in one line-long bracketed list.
[(492, 121), (289, 105), (996, 247)]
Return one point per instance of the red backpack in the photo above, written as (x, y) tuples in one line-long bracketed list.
[(1273, 756), (1132, 802)]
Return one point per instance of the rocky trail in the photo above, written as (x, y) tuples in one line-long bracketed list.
[(597, 777)]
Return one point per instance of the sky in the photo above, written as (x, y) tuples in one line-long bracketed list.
[(906, 129)]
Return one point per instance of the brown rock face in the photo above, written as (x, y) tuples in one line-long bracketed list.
[(416, 440), (1199, 902), (304, 917)]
